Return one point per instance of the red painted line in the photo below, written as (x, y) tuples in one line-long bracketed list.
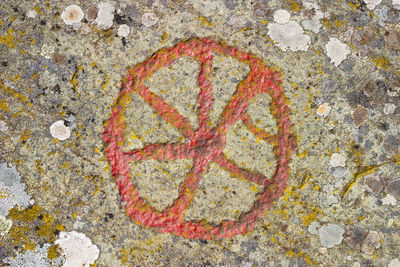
[(205, 95), (203, 145), (260, 133), (188, 189), (241, 173), (165, 111)]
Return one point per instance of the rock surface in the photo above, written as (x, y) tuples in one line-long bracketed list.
[(310, 119)]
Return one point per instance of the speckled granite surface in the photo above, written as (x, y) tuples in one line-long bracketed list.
[(61, 68)]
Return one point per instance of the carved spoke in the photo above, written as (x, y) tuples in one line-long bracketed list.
[(188, 188), (238, 172), (165, 111), (205, 96)]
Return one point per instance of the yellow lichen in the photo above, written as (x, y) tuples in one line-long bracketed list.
[(3, 106), (43, 226), (12, 92), (294, 6), (18, 234), (309, 218), (381, 62), (38, 10), (164, 37), (357, 176), (29, 245), (339, 23), (74, 80), (25, 136), (53, 252), (353, 6), (65, 165), (48, 228), (326, 23), (396, 158), (205, 21), (105, 83), (303, 154), (8, 39), (25, 215)]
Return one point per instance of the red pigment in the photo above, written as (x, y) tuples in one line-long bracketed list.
[(203, 146)]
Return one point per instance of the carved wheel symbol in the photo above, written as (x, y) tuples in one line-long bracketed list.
[(203, 146)]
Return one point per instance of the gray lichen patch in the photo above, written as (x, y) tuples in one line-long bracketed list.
[(155, 130), (248, 151), (158, 181), (12, 190), (178, 86), (37, 257), (226, 75), (330, 235), (260, 114), (221, 197)]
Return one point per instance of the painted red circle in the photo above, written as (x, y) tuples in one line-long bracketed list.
[(202, 146)]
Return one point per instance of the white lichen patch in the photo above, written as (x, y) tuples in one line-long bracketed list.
[(72, 14), (389, 200), (123, 30), (337, 160), (394, 263), (323, 250), (105, 15), (339, 172), (3, 126), (33, 258), (47, 51), (237, 21), (313, 228), (336, 51), (281, 16), (371, 242), (32, 14), (77, 26), (12, 190), (289, 36), (323, 110), (78, 249), (313, 24), (60, 131), (149, 19), (371, 4), (85, 29), (388, 109), (396, 5), (5, 225)]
